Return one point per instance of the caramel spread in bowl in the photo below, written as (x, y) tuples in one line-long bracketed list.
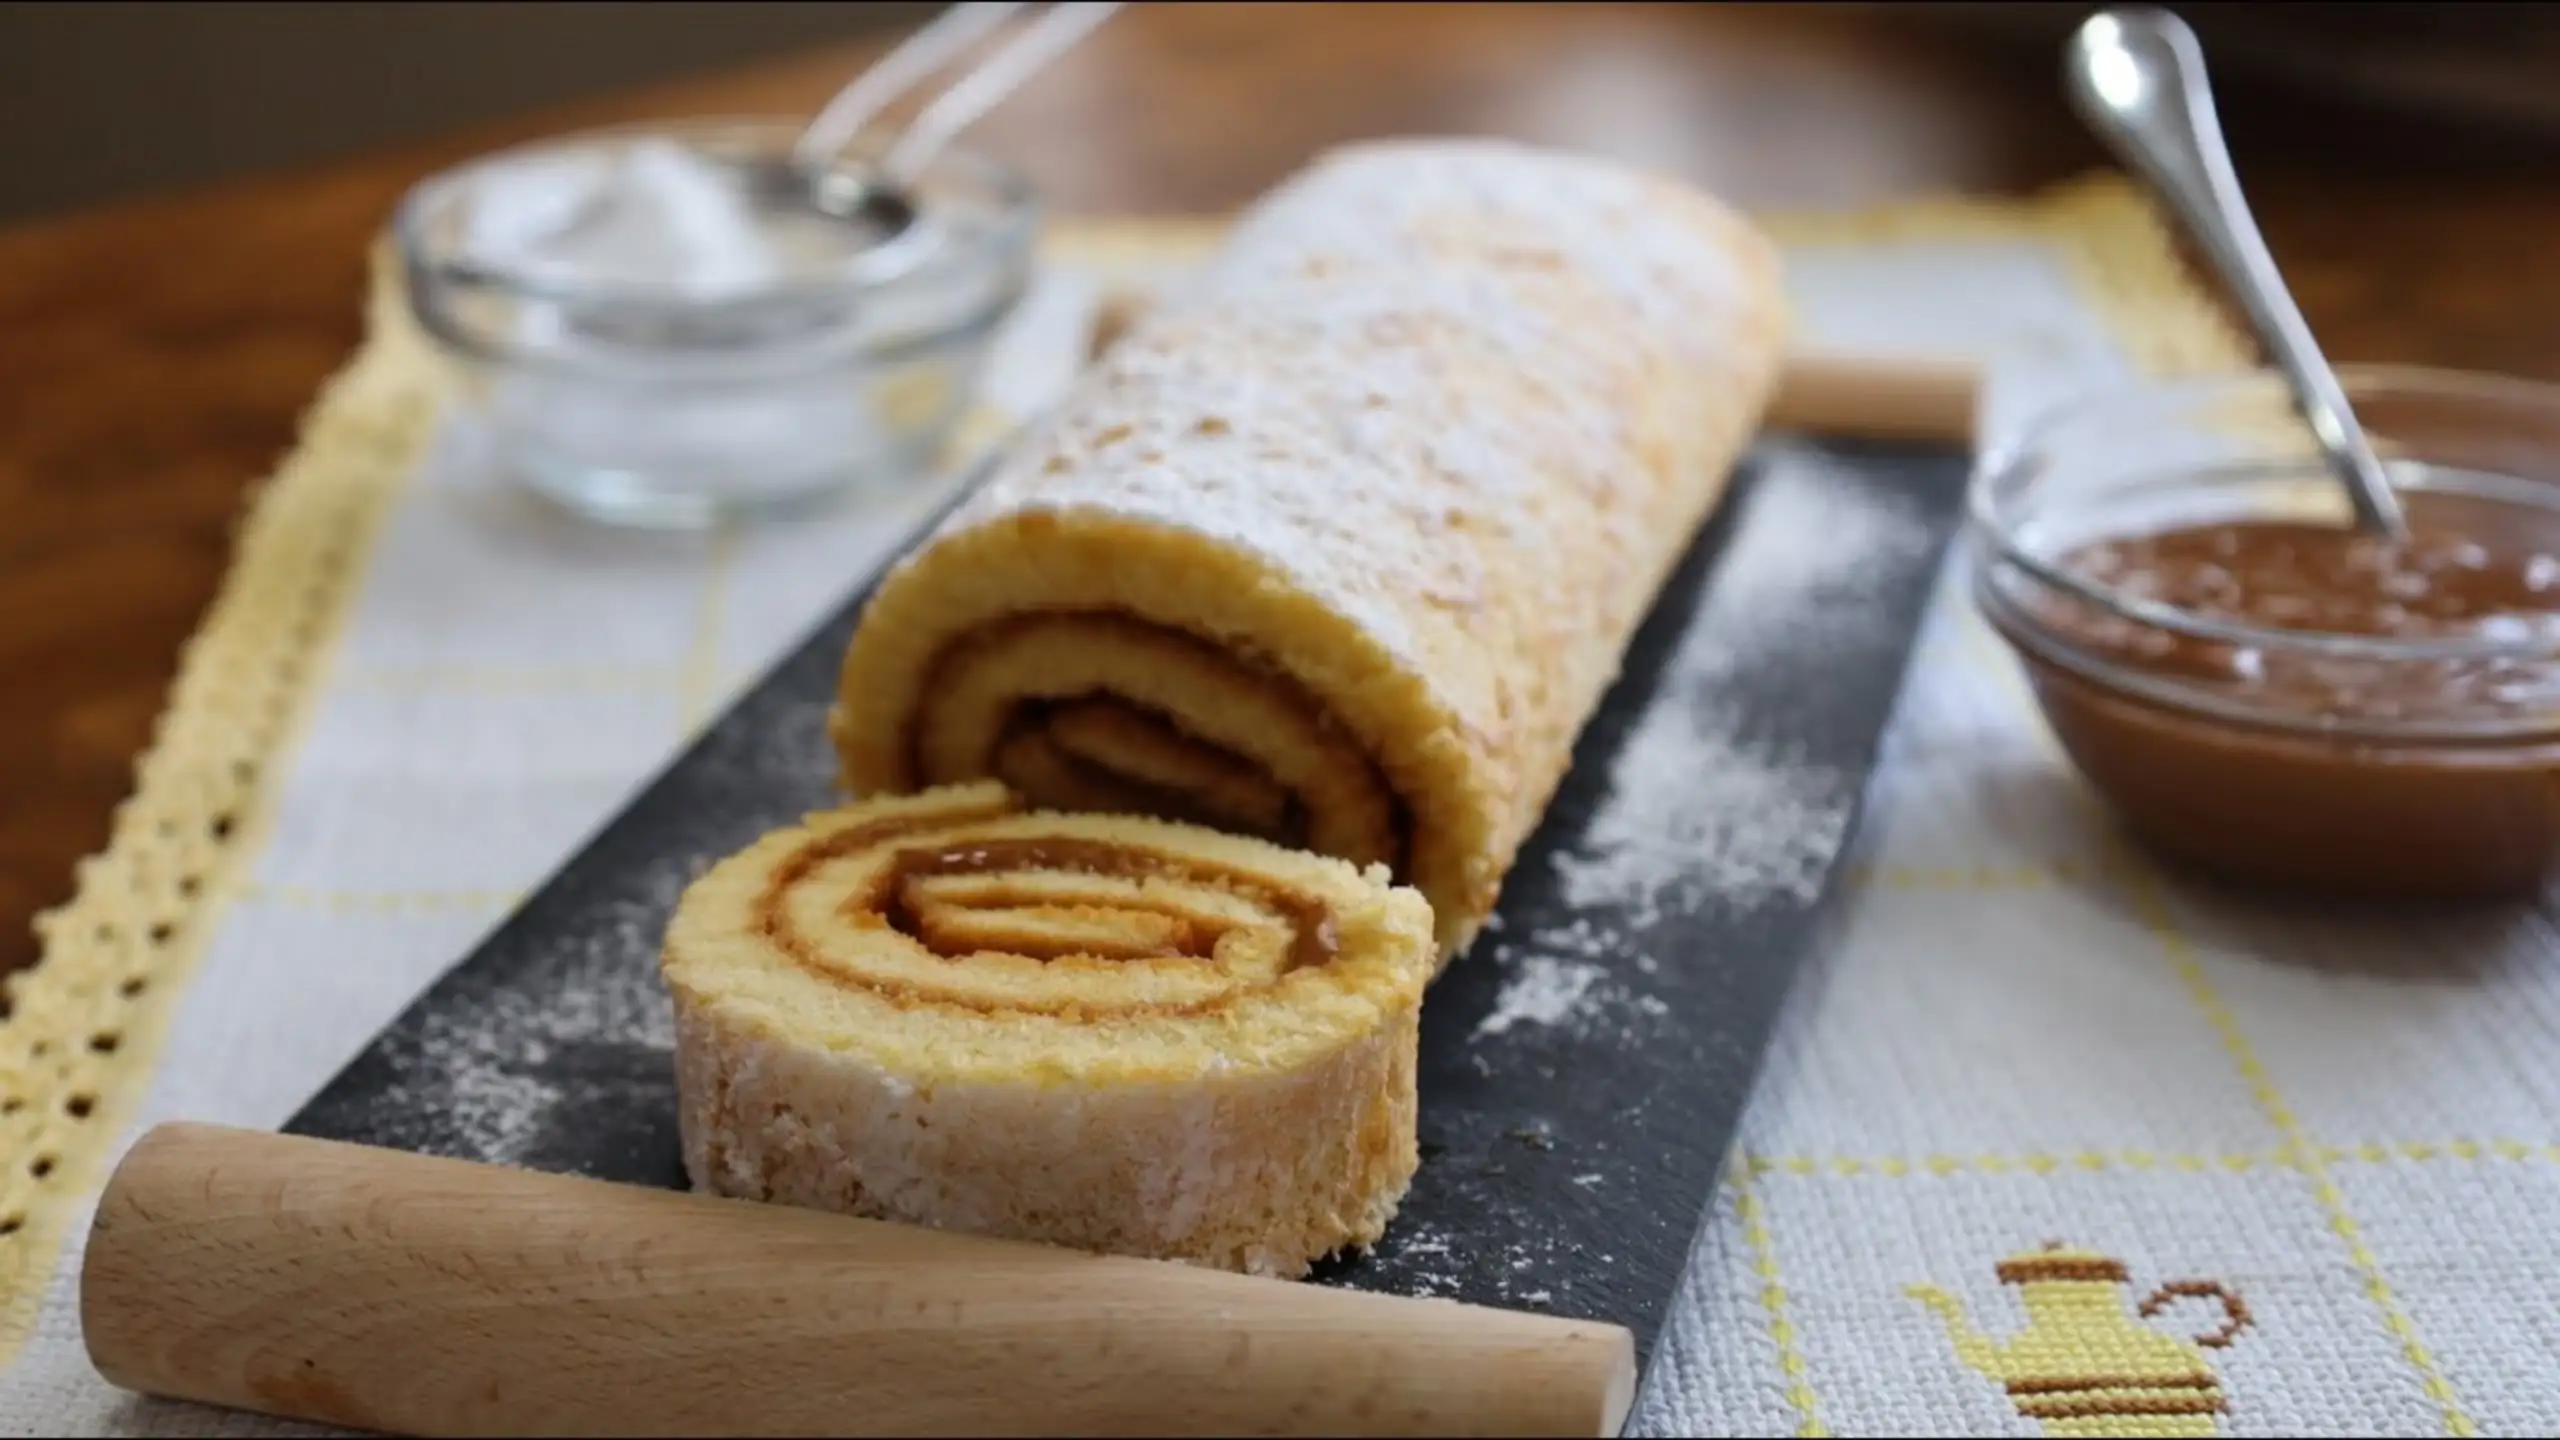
[(2282, 701)]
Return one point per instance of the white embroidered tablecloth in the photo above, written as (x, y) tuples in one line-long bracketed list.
[(2333, 1142)]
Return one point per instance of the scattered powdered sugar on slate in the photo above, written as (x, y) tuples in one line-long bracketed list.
[(790, 739), (1541, 991), (1561, 978), (1699, 813), (1435, 1264), (1700, 810), (488, 1068), (1816, 545), (1431, 1261), (498, 1110)]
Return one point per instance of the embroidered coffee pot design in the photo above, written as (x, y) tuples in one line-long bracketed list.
[(2086, 1364)]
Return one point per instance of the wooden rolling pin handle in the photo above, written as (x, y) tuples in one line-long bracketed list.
[(369, 1288), (1875, 398)]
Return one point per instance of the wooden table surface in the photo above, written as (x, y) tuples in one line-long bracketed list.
[(154, 357)]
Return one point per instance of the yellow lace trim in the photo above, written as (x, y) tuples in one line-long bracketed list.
[(83, 1024), (81, 1028)]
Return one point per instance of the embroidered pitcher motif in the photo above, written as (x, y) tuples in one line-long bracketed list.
[(2086, 1364)]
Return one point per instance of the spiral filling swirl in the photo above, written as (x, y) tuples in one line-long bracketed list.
[(1112, 714), (971, 904)]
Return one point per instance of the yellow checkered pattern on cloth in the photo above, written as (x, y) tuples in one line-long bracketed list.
[(2029, 1091)]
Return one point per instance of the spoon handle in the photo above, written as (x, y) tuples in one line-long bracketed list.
[(946, 38), (983, 88), (2137, 77)]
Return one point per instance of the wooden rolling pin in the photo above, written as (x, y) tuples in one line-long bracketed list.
[(1838, 395), (370, 1288), (1851, 397)]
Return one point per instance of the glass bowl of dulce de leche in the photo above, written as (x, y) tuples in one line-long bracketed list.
[(2259, 690)]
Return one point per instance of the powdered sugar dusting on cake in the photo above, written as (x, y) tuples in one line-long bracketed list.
[(1413, 368), (1656, 246)]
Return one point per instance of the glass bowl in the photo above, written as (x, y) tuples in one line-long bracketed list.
[(2408, 761), (690, 346)]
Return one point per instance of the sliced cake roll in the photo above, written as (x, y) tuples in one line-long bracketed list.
[(1113, 1033)]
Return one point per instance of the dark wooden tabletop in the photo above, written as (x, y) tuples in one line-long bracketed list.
[(153, 357)]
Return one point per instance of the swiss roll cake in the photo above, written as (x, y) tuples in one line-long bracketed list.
[(1340, 547), (1117, 1033)]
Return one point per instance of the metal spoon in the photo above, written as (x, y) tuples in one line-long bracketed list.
[(879, 198), (884, 232), (2137, 78)]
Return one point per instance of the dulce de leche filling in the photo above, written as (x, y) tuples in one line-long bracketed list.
[(2335, 770), (1085, 905), (1315, 940)]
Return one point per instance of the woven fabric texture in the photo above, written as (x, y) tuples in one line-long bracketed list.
[(2315, 1152)]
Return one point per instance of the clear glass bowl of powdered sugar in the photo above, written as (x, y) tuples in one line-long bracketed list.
[(650, 336)]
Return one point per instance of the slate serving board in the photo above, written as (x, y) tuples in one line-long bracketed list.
[(1583, 1067)]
